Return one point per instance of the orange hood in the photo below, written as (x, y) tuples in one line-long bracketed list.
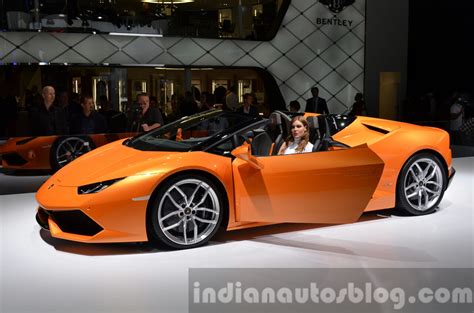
[(109, 162)]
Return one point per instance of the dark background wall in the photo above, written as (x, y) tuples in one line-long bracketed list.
[(441, 51), (428, 41), (386, 46)]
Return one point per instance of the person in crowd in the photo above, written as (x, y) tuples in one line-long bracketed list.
[(197, 96), (295, 106), (48, 119), (70, 109), (220, 95), (63, 101), (147, 118), (88, 121), (154, 104), (33, 99), (231, 99), (75, 102), (188, 105), (358, 108), (247, 107), (172, 109), (207, 101), (116, 120), (8, 112), (316, 104), (457, 117), (298, 141), (3, 118)]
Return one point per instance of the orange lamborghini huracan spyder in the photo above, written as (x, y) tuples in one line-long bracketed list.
[(179, 184)]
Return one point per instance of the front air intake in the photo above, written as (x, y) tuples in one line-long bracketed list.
[(14, 159), (75, 222)]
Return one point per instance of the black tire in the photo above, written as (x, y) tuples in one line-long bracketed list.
[(171, 213), (421, 185), (73, 146)]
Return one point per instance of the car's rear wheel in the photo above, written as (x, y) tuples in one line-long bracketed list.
[(187, 212), (68, 148), (421, 184)]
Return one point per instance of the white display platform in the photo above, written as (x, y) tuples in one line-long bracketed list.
[(42, 274)]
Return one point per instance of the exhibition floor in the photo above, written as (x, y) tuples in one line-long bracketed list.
[(42, 274)]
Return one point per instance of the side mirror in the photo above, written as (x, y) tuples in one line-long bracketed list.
[(243, 152)]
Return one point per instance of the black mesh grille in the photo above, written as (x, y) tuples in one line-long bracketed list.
[(14, 159), (75, 222)]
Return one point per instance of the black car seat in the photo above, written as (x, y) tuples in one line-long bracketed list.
[(314, 132), (325, 134), (261, 144), (280, 125)]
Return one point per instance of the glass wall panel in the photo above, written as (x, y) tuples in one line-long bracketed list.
[(237, 19), (115, 89)]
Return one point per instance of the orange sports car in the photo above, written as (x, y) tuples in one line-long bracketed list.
[(50, 152), (179, 184)]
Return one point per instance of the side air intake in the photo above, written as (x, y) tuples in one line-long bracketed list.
[(377, 129)]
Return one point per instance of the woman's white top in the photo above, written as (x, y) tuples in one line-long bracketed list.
[(291, 149)]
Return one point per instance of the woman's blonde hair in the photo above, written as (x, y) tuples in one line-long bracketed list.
[(304, 138)]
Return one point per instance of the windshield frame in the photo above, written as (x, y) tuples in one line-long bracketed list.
[(245, 120)]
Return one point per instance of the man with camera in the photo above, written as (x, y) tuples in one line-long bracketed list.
[(145, 117)]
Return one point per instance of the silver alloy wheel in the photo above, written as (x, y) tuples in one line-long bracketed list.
[(70, 149), (423, 184), (188, 212)]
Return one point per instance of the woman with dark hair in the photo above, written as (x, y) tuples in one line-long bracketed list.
[(298, 141)]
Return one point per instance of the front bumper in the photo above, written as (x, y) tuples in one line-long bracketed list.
[(113, 215)]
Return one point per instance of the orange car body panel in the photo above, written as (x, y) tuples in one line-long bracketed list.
[(128, 198), (303, 188), (394, 148), (343, 183)]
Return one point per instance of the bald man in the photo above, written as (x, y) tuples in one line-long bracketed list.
[(48, 119)]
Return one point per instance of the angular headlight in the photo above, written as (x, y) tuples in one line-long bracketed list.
[(96, 187)]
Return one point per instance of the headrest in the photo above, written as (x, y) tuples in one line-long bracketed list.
[(313, 122), (275, 119)]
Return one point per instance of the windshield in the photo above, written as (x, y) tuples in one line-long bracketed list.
[(190, 132)]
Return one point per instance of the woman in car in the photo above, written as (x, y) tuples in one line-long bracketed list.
[(298, 141)]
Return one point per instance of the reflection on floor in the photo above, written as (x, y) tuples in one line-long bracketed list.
[(43, 274), (13, 182)]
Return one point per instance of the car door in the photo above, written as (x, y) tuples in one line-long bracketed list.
[(318, 187)]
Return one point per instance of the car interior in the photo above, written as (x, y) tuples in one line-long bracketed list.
[(268, 141)]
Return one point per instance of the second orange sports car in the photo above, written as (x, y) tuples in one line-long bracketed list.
[(183, 182), (51, 152)]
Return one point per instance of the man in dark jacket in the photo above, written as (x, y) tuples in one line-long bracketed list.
[(247, 107), (148, 118), (316, 104), (88, 121), (48, 119)]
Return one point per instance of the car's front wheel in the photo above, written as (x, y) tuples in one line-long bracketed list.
[(68, 148), (421, 184), (186, 212)]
